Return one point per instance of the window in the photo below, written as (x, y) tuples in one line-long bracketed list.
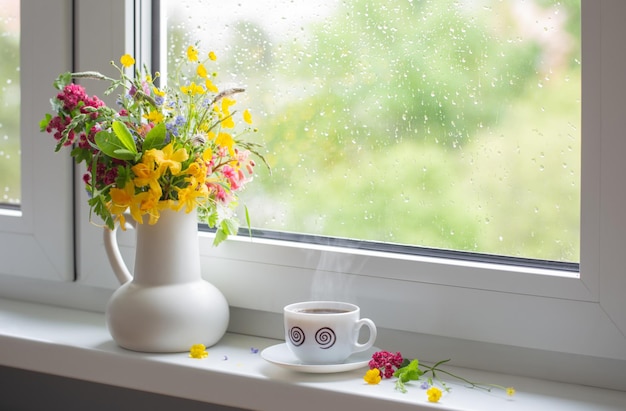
[(440, 124), (547, 310), (36, 239), (9, 101)]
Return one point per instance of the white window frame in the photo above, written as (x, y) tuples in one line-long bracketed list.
[(37, 241), (477, 301), (511, 306)]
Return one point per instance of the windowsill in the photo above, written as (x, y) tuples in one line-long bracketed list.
[(76, 344)]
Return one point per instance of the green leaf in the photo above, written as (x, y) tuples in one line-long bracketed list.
[(98, 206), (110, 144), (212, 219), (229, 226), (248, 220), (220, 236), (44, 122), (124, 136), (155, 137), (81, 154), (123, 176), (124, 154), (62, 81), (410, 372)]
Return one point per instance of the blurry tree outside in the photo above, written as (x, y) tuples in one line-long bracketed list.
[(435, 123), (9, 102)]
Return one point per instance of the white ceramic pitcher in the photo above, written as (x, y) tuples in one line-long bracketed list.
[(166, 306)]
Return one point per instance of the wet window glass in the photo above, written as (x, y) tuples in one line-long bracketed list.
[(442, 124), (9, 102)]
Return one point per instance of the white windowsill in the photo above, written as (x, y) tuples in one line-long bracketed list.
[(76, 344)]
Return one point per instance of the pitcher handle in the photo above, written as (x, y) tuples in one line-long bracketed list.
[(113, 251)]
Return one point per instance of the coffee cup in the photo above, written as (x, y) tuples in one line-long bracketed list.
[(325, 332)]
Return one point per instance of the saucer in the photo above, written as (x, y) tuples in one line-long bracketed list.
[(280, 355)]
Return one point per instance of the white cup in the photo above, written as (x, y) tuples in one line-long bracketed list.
[(325, 332)]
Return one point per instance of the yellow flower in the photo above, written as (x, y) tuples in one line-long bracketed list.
[(192, 89), (154, 116), (146, 203), (197, 170), (210, 86), (212, 56), (434, 394), (226, 140), (158, 92), (228, 123), (121, 200), (207, 155), (226, 103), (201, 71), (146, 174), (127, 60), (168, 158), (198, 351), (372, 376), (192, 53), (188, 196), (247, 117), (510, 391)]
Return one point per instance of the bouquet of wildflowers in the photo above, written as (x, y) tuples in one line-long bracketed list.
[(161, 148)]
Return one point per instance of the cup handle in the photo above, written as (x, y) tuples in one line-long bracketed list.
[(358, 347), (113, 251)]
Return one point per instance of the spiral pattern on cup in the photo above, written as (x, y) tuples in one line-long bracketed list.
[(325, 337), (296, 336)]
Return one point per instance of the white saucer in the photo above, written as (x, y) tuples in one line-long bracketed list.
[(280, 355)]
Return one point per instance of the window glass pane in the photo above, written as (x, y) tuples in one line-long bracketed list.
[(9, 102), (434, 123)]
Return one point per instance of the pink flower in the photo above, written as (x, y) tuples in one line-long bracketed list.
[(93, 102), (145, 87), (219, 193), (386, 362), (71, 95)]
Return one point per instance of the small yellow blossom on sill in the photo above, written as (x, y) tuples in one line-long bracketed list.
[(198, 351), (510, 391), (434, 394), (372, 376), (127, 60)]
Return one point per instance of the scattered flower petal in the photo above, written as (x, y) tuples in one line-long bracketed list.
[(254, 350), (198, 351), (434, 394), (372, 376)]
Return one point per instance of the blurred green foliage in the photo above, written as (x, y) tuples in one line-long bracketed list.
[(420, 122), (10, 190), (413, 122)]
